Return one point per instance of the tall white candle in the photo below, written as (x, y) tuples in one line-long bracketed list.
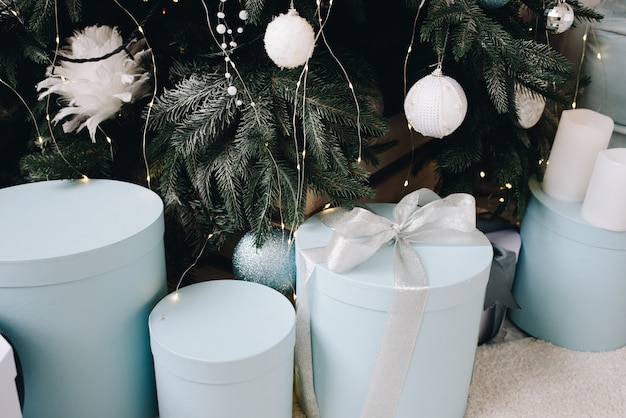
[(605, 201), (581, 135)]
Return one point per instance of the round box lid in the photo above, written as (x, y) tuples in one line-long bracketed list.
[(564, 218), (222, 331), (456, 273), (63, 230)]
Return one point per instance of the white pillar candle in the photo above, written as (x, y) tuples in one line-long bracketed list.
[(581, 135), (605, 201)]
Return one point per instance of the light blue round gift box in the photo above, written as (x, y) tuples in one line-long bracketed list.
[(571, 277), (348, 312), (82, 263), (224, 349)]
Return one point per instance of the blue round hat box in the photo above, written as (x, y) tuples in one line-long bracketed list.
[(82, 263), (224, 349), (571, 277)]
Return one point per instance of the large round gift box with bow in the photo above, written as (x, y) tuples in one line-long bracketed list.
[(385, 344)]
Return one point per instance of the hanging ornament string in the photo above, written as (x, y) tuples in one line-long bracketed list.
[(302, 82), (144, 134), (405, 85), (289, 42), (300, 156), (57, 47), (322, 22), (228, 45), (226, 51)]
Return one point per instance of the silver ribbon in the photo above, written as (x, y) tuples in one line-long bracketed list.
[(421, 216)]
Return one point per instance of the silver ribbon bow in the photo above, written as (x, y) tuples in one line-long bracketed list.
[(421, 216)]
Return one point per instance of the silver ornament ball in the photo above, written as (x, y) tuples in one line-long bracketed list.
[(272, 264), (559, 18)]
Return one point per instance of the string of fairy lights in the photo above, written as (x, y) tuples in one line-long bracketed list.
[(405, 86), (302, 83), (224, 33)]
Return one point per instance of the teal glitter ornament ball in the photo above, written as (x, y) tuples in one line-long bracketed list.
[(492, 4), (272, 264)]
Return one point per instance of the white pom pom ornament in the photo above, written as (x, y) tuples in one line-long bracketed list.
[(529, 106), (289, 40), (436, 105)]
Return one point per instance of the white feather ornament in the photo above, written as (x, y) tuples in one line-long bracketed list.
[(94, 91), (289, 40)]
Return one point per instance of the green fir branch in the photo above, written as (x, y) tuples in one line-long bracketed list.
[(242, 159)]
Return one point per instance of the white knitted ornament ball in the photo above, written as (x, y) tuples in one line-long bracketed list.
[(436, 105), (529, 106), (289, 40)]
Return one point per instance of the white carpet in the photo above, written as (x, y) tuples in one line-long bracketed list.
[(528, 378), (532, 378)]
